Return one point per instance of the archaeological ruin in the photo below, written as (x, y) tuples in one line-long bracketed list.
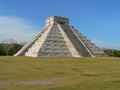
[(59, 39)]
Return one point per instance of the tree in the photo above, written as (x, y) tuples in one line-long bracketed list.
[(2, 53), (7, 44), (23, 43), (116, 53), (15, 49), (109, 52), (112, 52)]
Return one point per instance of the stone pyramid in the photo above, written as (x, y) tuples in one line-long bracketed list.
[(59, 39)]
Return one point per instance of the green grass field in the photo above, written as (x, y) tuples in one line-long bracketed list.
[(25, 73)]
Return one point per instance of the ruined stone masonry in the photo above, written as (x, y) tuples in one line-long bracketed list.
[(59, 39)]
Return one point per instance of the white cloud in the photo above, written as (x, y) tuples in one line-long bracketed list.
[(103, 44), (16, 28), (99, 43)]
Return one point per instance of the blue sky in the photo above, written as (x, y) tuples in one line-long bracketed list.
[(99, 20)]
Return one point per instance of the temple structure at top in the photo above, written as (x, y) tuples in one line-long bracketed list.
[(56, 19), (59, 39)]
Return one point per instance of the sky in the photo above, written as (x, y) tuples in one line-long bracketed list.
[(98, 20)]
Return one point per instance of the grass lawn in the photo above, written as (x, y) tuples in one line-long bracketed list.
[(26, 73)]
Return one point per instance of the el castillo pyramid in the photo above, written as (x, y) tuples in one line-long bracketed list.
[(59, 39)]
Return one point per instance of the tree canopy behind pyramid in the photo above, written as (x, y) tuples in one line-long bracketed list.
[(59, 39)]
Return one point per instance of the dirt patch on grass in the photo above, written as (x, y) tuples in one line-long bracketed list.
[(4, 83), (7, 83), (39, 82)]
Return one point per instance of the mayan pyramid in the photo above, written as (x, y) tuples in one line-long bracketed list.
[(59, 39)]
